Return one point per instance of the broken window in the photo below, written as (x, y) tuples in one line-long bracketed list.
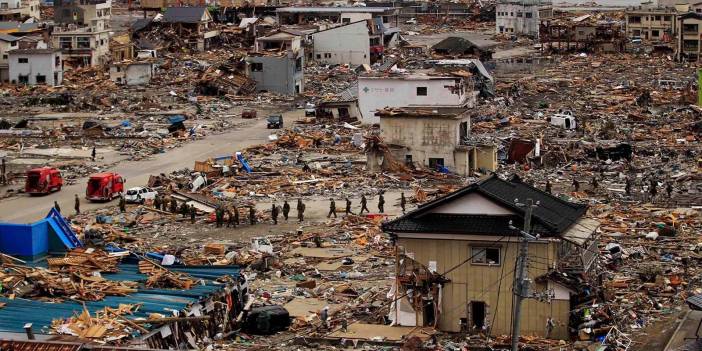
[(667, 18), (527, 15), (57, 61), (635, 19), (23, 79), (422, 91), (327, 55), (485, 255), (298, 64), (41, 79), (690, 28), (83, 42), (655, 33), (519, 14), (463, 131), (65, 43), (345, 20), (435, 162), (319, 56), (690, 45), (22, 60), (256, 67)]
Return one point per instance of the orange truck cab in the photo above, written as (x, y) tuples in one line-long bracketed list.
[(43, 181), (104, 186)]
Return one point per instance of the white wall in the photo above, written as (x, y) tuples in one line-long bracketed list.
[(4, 48), (39, 64), (507, 18), (347, 44), (473, 204), (377, 93), (355, 17)]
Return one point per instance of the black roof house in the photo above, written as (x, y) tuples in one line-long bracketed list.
[(551, 218)]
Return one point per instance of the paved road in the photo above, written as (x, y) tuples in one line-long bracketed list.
[(25, 209)]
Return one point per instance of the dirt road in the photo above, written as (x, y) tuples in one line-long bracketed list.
[(24, 209)]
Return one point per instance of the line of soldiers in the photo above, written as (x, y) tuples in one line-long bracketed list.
[(652, 188)]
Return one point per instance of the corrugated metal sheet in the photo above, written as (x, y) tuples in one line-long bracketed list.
[(17, 312)]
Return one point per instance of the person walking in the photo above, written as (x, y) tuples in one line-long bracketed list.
[(93, 154), (300, 211), (77, 204), (594, 183), (403, 202), (230, 218), (627, 186), (548, 186), (252, 215), (219, 217), (174, 206), (364, 204), (274, 213), (348, 207), (576, 185), (157, 202), (57, 207), (122, 204), (184, 210), (192, 214), (286, 210), (653, 188), (332, 208), (668, 189), (381, 203)]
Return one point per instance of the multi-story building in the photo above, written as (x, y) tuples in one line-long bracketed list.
[(521, 17), (654, 24), (36, 66), (91, 13), (7, 44), (82, 46), (688, 34), (277, 63), (19, 10)]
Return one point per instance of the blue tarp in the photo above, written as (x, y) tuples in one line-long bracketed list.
[(38, 238), (176, 119), (17, 312), (243, 162)]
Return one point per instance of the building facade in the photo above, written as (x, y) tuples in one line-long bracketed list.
[(689, 32), (438, 138), (132, 73), (345, 44), (521, 17), (36, 66), (457, 254), (82, 46), (7, 44), (19, 10), (441, 90), (277, 63), (91, 13), (654, 24)]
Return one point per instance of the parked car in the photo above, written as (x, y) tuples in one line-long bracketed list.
[(310, 110), (104, 186), (140, 195), (411, 21), (43, 181), (275, 122), (248, 114)]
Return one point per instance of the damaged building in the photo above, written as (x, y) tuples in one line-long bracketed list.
[(277, 63), (437, 138), (466, 243), (521, 17)]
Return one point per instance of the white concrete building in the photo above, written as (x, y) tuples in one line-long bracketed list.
[(36, 66), (438, 90), (346, 44), (82, 46), (521, 16), (132, 73), (7, 44), (19, 10)]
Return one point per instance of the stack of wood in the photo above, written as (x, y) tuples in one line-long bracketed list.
[(160, 277), (108, 323), (85, 261)]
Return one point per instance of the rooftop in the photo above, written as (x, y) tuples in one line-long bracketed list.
[(551, 217), (7, 37), (184, 14), (17, 312), (423, 112)]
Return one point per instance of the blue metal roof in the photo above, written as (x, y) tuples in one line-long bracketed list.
[(17, 312)]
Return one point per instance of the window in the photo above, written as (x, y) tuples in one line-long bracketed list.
[(690, 28), (41, 79), (319, 56), (434, 163), (23, 79), (4, 57), (345, 20), (57, 61), (655, 33), (528, 15), (421, 91), (635, 19), (22, 60), (658, 18), (667, 18), (65, 43), (83, 42), (327, 55), (485, 255), (519, 14), (256, 67), (511, 14), (298, 64)]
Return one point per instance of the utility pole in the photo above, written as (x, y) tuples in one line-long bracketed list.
[(521, 284)]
